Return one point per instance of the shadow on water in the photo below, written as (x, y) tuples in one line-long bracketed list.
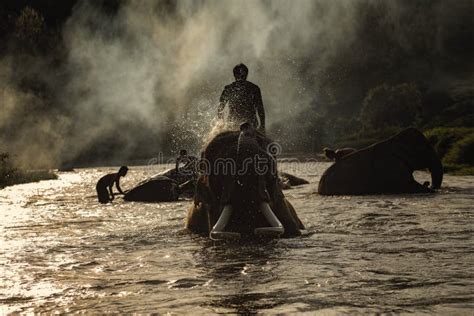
[(241, 269)]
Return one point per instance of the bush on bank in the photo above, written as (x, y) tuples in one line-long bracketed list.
[(455, 146), (9, 175)]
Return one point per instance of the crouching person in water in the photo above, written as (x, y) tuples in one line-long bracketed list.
[(104, 185), (185, 168), (338, 154), (185, 160)]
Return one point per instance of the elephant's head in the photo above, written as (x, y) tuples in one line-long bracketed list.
[(413, 148), (239, 192)]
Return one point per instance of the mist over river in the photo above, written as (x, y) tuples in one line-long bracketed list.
[(62, 251)]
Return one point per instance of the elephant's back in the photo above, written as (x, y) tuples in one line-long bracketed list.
[(156, 189), (351, 174)]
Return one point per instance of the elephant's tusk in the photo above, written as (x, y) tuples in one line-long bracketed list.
[(217, 231), (276, 228)]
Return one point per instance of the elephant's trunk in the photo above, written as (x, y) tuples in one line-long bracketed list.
[(436, 169), (247, 143), (252, 165)]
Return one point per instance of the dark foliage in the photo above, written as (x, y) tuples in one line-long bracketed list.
[(409, 68)]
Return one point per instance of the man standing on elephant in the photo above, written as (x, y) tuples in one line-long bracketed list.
[(244, 99)]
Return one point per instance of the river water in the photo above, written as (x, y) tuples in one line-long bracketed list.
[(61, 251)]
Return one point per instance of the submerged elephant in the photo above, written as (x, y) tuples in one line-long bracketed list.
[(166, 186), (185, 176), (337, 154), (288, 180), (238, 194), (384, 167), (159, 189), (155, 189)]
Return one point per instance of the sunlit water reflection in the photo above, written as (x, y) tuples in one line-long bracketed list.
[(62, 251)]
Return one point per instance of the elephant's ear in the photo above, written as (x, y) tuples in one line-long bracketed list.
[(197, 219), (405, 153), (283, 209), (202, 192), (413, 147), (292, 211)]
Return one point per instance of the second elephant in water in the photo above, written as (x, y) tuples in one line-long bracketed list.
[(384, 167)]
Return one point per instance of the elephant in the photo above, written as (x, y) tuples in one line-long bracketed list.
[(157, 189), (166, 186), (385, 167), (185, 176), (288, 180), (338, 154), (238, 194)]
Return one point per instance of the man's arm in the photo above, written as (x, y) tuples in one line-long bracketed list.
[(222, 103), (111, 192), (117, 185), (177, 164), (260, 110)]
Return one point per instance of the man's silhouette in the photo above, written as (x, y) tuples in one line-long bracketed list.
[(244, 99), (185, 160), (104, 185)]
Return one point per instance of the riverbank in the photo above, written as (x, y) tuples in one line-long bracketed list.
[(455, 147), (10, 175), (26, 176)]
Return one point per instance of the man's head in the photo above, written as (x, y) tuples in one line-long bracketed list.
[(329, 153), (123, 171), (240, 72), (183, 152)]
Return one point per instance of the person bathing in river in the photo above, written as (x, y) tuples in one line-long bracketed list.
[(105, 184), (337, 154), (184, 159), (244, 99)]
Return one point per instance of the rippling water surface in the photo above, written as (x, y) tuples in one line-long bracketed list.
[(62, 251)]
